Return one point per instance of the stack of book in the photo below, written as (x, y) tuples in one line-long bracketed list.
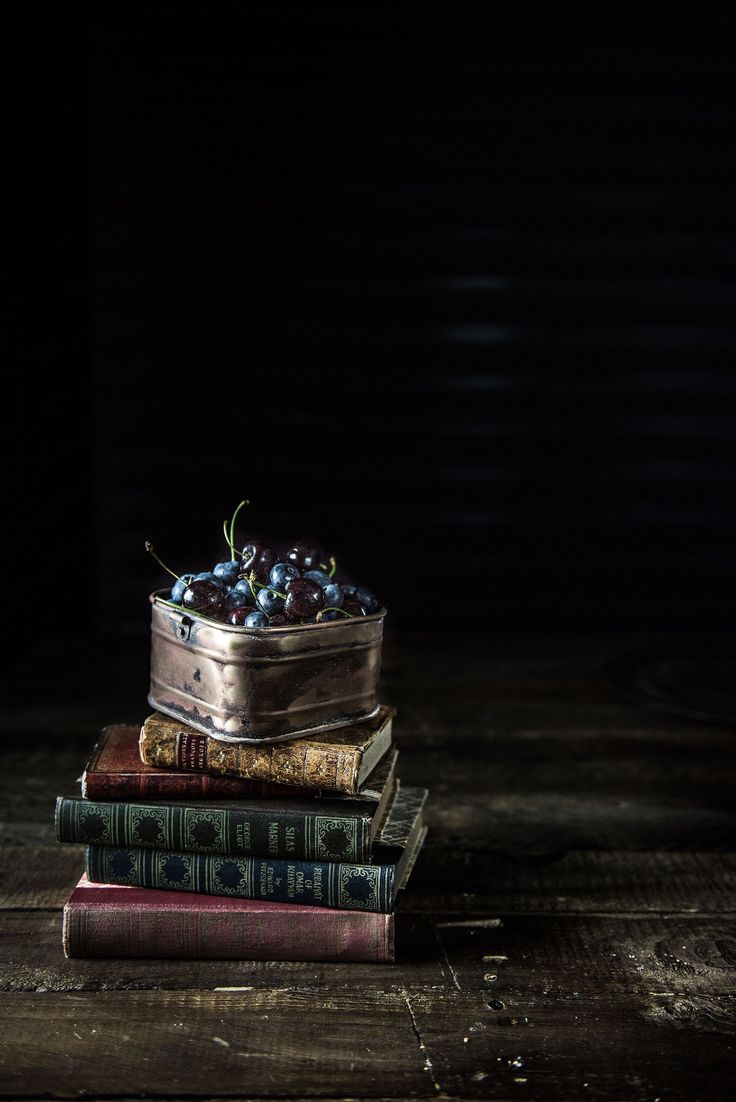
[(199, 848)]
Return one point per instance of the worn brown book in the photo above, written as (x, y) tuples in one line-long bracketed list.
[(115, 772), (334, 761)]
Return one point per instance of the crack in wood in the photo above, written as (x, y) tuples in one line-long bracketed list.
[(422, 1047), (453, 973)]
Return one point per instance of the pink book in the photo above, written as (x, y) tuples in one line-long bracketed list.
[(111, 920)]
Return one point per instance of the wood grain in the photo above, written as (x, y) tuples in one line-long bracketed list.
[(203, 1042), (364, 1043)]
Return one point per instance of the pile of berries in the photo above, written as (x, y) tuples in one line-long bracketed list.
[(256, 588)]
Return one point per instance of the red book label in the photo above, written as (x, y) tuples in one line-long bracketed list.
[(191, 751)]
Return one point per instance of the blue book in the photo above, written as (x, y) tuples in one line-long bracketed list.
[(338, 884)]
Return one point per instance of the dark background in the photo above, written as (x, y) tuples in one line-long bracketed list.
[(451, 295)]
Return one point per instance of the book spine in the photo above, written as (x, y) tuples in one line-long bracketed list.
[(99, 931), (318, 883), (288, 763), (249, 831), (165, 785)]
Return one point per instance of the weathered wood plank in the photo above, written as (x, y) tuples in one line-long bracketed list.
[(281, 1041), (295, 1042), (485, 883), (606, 882), (39, 876), (508, 957), (638, 1047), (515, 955)]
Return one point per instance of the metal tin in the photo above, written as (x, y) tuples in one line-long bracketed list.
[(256, 685)]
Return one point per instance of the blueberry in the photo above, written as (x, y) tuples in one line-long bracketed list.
[(281, 574), (334, 596), (227, 571), (330, 614), (320, 577), (366, 598), (243, 586), (270, 602), (349, 590), (256, 620), (237, 599), (177, 589)]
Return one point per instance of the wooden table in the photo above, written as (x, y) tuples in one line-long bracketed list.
[(568, 931)]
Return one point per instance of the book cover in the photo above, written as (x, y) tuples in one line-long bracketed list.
[(115, 772), (336, 761), (107, 920), (321, 830), (336, 884)]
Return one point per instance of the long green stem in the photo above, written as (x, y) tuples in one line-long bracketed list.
[(149, 549), (227, 539), (231, 541)]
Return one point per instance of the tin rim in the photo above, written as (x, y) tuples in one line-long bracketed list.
[(156, 598)]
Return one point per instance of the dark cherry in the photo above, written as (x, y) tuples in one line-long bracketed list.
[(203, 596), (304, 557), (259, 557), (303, 598), (354, 607), (277, 621), (238, 615)]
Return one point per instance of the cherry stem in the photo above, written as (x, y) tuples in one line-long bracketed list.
[(253, 581), (332, 608), (333, 566), (227, 540), (231, 540), (149, 549)]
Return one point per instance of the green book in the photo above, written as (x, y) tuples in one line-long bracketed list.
[(331, 829), (339, 884)]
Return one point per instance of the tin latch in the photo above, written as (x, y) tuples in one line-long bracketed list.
[(183, 625)]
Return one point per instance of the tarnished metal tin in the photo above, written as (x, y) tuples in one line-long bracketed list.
[(262, 684)]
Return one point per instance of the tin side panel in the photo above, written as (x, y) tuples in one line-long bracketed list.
[(266, 686)]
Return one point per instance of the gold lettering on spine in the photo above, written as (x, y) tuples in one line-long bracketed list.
[(191, 751)]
